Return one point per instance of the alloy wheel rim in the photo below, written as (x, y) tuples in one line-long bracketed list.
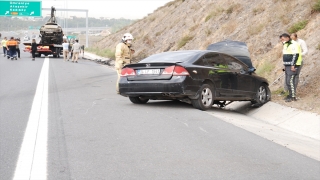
[(262, 94), (206, 97)]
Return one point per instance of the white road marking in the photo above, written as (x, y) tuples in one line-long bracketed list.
[(32, 162), (203, 130)]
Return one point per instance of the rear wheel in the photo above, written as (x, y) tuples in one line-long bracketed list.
[(262, 95), (138, 100), (205, 99)]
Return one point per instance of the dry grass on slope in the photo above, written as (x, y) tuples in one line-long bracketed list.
[(191, 24)]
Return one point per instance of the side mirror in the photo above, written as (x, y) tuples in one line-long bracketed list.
[(251, 70)]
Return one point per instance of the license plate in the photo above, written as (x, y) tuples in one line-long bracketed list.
[(148, 71)]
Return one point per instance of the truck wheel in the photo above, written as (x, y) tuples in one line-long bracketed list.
[(54, 55)]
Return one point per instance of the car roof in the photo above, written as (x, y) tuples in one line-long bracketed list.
[(175, 56)]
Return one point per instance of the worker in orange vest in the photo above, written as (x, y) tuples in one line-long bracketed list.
[(12, 48)]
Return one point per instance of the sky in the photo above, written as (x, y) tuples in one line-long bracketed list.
[(128, 9)]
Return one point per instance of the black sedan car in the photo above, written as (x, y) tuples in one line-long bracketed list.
[(221, 74)]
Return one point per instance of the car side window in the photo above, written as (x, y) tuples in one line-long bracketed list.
[(199, 62), (233, 64), (215, 60)]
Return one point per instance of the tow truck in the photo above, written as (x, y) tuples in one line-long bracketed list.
[(45, 49), (51, 38)]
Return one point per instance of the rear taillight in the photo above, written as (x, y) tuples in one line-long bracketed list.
[(180, 71), (168, 70), (128, 72), (175, 71)]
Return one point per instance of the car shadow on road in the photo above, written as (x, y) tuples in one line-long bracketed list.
[(239, 107), (168, 104)]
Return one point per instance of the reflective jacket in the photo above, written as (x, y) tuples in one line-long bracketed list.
[(11, 43), (290, 53), (299, 61), (123, 55)]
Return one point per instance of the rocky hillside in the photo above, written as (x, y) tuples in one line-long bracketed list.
[(194, 24)]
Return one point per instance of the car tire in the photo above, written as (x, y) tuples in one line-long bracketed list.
[(205, 99), (262, 95), (138, 100)]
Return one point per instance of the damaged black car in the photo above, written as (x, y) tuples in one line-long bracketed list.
[(219, 75)]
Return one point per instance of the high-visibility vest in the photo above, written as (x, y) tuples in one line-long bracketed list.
[(11, 43), (299, 61), (290, 52)]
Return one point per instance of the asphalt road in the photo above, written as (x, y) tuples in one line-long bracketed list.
[(93, 133)]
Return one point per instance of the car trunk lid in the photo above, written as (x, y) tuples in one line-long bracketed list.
[(153, 71)]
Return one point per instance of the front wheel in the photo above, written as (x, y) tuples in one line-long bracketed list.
[(138, 100), (205, 99), (262, 95)]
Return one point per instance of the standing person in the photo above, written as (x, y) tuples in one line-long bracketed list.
[(12, 48), (75, 49), (303, 53), (4, 46), (291, 64), (123, 55), (33, 49), (71, 42), (82, 50), (18, 47), (65, 47)]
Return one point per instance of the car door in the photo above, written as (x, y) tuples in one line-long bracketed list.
[(245, 81), (218, 72)]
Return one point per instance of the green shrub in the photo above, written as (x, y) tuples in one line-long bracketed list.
[(102, 52), (230, 10), (316, 7), (298, 26), (212, 14), (265, 68), (184, 41), (208, 32)]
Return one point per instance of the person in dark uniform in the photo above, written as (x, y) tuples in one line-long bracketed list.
[(18, 47), (33, 49)]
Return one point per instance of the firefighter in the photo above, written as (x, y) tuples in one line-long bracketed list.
[(291, 64), (12, 48), (4, 46), (123, 55)]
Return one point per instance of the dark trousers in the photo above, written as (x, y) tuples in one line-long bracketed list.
[(18, 52), (4, 51), (12, 51), (290, 81), (33, 54), (296, 79)]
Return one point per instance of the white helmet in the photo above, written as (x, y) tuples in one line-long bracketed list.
[(127, 36)]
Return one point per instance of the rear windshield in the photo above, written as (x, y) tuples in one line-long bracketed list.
[(171, 56)]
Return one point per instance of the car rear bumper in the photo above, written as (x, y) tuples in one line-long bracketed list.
[(175, 87)]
